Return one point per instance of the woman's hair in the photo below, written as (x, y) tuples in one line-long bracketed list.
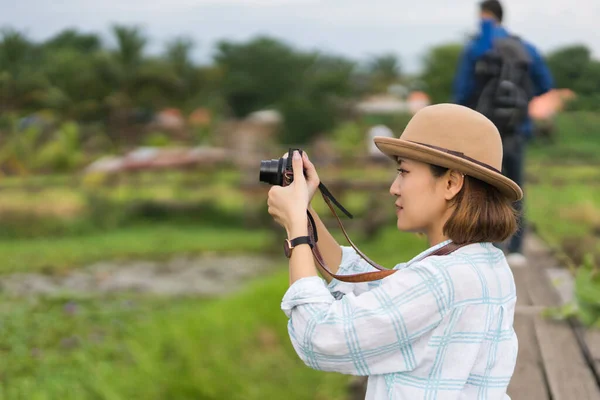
[(481, 213)]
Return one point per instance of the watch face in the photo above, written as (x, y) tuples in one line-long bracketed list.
[(287, 248)]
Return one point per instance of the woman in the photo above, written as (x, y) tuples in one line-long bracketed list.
[(441, 326)]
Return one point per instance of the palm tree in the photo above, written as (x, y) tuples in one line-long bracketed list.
[(178, 54), (385, 70), (72, 39), (130, 45), (20, 81)]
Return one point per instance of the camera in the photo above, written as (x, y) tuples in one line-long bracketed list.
[(278, 171)]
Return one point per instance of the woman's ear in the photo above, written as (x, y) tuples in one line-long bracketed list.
[(454, 182)]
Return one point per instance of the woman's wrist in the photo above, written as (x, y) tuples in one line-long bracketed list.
[(299, 227)]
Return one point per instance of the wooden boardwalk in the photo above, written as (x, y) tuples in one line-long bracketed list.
[(557, 360)]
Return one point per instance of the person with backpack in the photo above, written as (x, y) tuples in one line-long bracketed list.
[(498, 75)]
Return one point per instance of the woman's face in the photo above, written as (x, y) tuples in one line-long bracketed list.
[(421, 199)]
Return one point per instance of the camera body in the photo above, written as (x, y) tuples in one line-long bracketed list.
[(278, 171)]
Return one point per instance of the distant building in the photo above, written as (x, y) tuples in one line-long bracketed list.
[(382, 104), (391, 104)]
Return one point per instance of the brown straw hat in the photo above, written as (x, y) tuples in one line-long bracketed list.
[(455, 137)]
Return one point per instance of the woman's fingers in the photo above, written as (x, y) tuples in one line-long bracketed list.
[(311, 171)]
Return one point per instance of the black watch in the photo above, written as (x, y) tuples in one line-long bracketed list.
[(288, 245)]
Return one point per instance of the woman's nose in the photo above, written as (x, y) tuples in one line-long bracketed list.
[(395, 188)]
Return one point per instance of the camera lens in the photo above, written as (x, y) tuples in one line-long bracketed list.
[(271, 171)]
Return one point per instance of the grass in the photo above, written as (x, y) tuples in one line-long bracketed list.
[(125, 347), (563, 187), (141, 241), (576, 140), (565, 215)]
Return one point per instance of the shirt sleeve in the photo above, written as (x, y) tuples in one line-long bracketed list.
[(371, 333), (351, 264), (540, 73)]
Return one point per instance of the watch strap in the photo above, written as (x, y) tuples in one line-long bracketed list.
[(301, 240)]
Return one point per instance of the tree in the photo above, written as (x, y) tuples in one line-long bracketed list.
[(259, 73), (178, 54), (22, 86), (589, 81), (130, 46), (267, 73), (72, 39), (440, 65), (568, 65), (313, 107), (385, 70), (188, 77)]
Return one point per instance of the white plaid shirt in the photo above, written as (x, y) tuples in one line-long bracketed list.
[(439, 328)]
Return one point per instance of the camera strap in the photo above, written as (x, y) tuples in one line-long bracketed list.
[(365, 276)]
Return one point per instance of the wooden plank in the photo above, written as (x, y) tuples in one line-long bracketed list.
[(520, 275), (540, 288), (592, 339), (567, 372), (569, 377), (528, 381)]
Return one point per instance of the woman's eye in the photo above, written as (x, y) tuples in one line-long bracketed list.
[(402, 171)]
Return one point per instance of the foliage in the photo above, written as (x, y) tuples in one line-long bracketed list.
[(266, 73), (63, 151), (384, 69), (348, 138), (586, 304), (157, 139), (568, 64), (116, 80), (572, 67), (123, 347), (439, 68), (575, 140), (17, 155)]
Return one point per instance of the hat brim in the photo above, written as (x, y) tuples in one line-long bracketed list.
[(394, 148)]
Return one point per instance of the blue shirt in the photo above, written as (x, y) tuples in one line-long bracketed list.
[(465, 78), (441, 327)]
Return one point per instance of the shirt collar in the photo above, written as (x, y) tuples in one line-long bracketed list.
[(428, 251)]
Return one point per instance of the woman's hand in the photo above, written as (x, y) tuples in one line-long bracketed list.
[(288, 205), (312, 178)]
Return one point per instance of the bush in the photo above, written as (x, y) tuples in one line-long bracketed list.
[(63, 151), (157, 139), (586, 306), (349, 139)]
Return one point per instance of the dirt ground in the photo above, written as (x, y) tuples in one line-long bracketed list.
[(208, 276)]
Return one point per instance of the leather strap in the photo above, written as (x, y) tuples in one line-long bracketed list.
[(302, 240), (366, 276)]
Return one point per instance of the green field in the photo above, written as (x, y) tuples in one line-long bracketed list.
[(128, 345)]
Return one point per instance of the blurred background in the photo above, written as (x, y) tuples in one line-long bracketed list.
[(137, 257)]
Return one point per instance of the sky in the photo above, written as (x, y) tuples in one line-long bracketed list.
[(357, 29)]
